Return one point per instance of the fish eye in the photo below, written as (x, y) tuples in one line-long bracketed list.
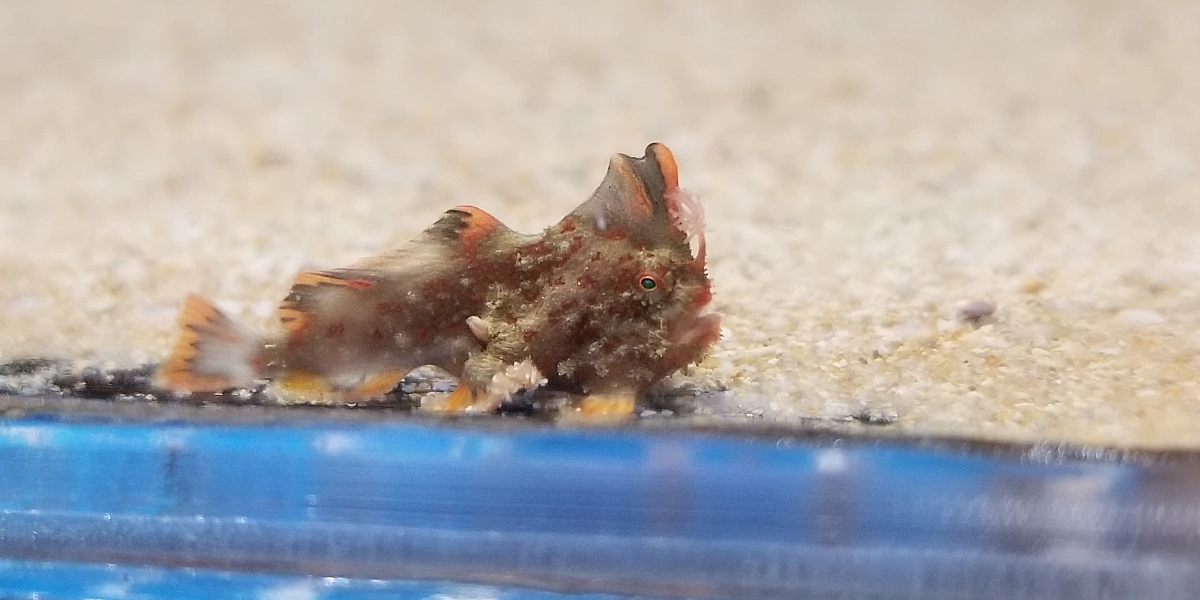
[(648, 283)]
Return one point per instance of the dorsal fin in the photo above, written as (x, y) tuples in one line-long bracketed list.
[(458, 231), (465, 227)]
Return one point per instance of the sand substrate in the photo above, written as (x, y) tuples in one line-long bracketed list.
[(869, 170)]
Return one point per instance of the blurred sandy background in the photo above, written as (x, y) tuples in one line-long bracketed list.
[(867, 168)]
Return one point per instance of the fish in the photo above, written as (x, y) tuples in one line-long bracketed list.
[(601, 305)]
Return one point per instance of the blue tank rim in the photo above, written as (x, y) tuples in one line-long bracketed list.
[(665, 506), (807, 432)]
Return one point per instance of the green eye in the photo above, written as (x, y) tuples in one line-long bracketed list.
[(648, 283)]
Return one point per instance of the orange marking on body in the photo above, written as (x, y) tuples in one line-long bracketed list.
[(311, 278), (335, 329), (478, 225), (315, 278)]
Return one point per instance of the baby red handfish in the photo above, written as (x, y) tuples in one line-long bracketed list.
[(605, 303)]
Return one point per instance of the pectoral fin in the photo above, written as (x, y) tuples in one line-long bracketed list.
[(503, 384)]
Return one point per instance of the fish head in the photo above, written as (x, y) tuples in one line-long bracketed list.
[(644, 271)]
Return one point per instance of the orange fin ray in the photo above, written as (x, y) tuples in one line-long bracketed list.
[(355, 279)]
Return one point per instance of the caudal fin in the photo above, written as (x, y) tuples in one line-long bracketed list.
[(213, 352)]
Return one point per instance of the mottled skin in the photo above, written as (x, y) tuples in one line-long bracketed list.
[(605, 303)]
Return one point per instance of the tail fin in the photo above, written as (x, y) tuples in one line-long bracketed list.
[(214, 352)]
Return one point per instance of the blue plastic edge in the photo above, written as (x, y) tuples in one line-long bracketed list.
[(583, 511)]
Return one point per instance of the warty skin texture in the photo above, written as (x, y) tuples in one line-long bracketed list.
[(604, 303)]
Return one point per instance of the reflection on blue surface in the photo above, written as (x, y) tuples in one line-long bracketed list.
[(28, 580), (593, 511)]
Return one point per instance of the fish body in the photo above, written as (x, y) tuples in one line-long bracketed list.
[(604, 303)]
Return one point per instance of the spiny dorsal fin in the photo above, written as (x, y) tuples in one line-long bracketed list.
[(465, 227)]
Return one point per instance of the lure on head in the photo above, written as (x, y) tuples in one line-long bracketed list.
[(641, 198)]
